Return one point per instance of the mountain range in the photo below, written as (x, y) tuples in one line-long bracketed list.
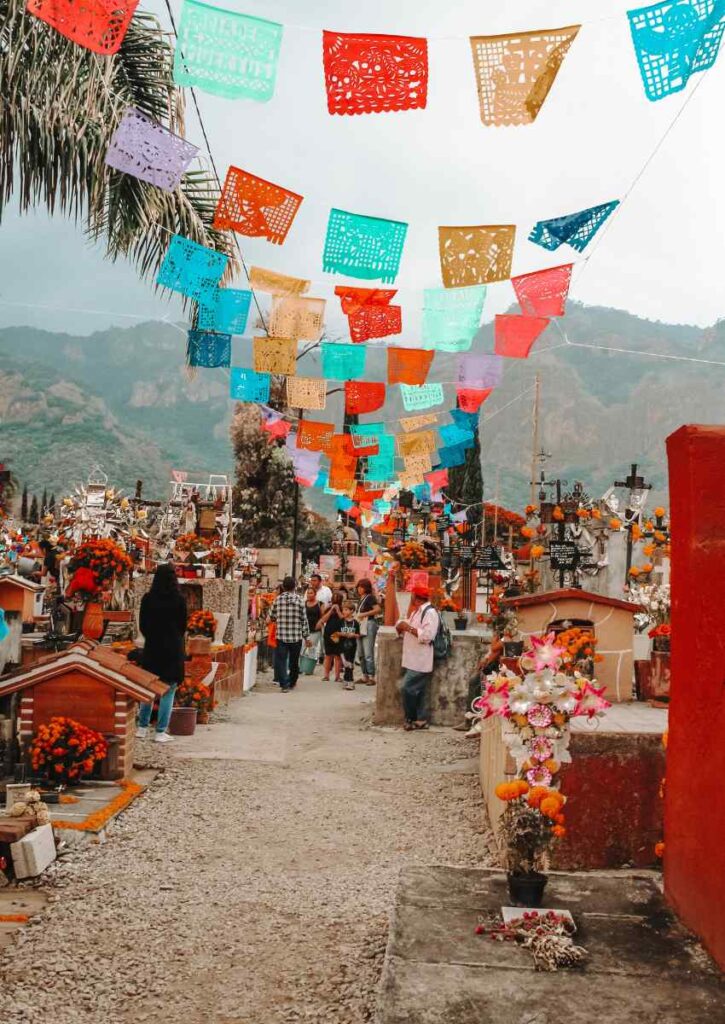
[(123, 399)]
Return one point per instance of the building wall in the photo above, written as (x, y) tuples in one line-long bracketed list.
[(613, 628), (694, 862)]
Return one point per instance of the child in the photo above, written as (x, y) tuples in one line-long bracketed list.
[(348, 635)]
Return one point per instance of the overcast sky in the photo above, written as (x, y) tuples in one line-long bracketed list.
[(661, 258)]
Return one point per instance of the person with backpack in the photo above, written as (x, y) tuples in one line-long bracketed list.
[(420, 632)]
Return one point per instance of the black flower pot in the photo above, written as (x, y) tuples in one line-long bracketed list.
[(661, 644), (527, 890), (513, 648), (461, 623)]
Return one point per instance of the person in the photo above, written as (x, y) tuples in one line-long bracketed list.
[(343, 592), (367, 613), (418, 632), (348, 637), (330, 623), (162, 620), (288, 611), (313, 610), (50, 560), (490, 663), (324, 594)]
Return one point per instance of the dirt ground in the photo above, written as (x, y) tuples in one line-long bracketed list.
[(252, 882)]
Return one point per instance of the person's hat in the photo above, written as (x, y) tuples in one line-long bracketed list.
[(421, 591)]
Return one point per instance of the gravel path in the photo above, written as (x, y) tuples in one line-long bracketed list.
[(251, 884)]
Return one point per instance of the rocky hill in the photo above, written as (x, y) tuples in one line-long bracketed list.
[(123, 398)]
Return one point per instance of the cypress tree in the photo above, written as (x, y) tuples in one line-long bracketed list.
[(34, 517), (24, 505)]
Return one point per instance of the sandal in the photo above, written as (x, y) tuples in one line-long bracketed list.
[(421, 725), (408, 726)]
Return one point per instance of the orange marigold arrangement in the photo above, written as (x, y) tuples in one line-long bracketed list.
[(578, 644), (190, 542), (533, 819), (202, 623), (413, 555), (223, 557), (66, 750), (191, 694), (103, 557)]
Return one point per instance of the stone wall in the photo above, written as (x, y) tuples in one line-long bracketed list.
[(217, 595), (449, 688)]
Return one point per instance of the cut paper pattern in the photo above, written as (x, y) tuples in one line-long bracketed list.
[(480, 371), (408, 365), (515, 335), (191, 269), (314, 436), (98, 25), (297, 317), (452, 434), (342, 362), (363, 247), (205, 348), (514, 73), (381, 467), (363, 435), (544, 292), (451, 457), (471, 399), (409, 423), (147, 150), (476, 255), (414, 444), (574, 229), (451, 317), (437, 479), (363, 397), (369, 312), (275, 355), (410, 477), (247, 386), (342, 474), (255, 207), (421, 397), (225, 309), (674, 40), (261, 280), (372, 74), (225, 53), (418, 463), (306, 392), (467, 420)]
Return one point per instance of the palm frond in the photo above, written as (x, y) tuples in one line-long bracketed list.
[(59, 107)]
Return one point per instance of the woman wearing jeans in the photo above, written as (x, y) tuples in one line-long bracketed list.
[(163, 623), (367, 611)]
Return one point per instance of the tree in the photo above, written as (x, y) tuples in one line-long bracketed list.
[(44, 502), (51, 505), (61, 105), (264, 492), (24, 505), (465, 482), (33, 516)]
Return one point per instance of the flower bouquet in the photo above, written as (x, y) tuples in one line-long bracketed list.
[(66, 750), (202, 623), (532, 820), (191, 694), (223, 558), (95, 565), (661, 636)]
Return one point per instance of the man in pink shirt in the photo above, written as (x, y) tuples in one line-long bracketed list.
[(418, 632)]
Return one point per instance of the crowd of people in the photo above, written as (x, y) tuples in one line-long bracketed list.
[(331, 627)]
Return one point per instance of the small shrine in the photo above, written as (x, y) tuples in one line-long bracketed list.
[(92, 684)]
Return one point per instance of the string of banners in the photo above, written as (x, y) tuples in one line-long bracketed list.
[(236, 56)]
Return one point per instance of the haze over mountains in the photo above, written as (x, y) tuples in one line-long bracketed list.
[(123, 398)]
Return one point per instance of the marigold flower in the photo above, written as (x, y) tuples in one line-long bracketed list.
[(660, 512), (659, 850), (559, 831), (615, 524)]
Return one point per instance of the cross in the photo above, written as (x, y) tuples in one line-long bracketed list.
[(635, 483)]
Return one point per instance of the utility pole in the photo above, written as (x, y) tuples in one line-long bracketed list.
[(535, 438), (296, 518)]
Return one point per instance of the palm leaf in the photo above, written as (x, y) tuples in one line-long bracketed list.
[(59, 107)]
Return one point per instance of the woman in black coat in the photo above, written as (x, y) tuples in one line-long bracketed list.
[(162, 621)]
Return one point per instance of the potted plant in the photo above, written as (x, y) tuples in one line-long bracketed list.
[(532, 820), (191, 698), (461, 621), (66, 750), (513, 645)]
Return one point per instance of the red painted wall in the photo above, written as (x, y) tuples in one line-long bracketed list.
[(694, 862)]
